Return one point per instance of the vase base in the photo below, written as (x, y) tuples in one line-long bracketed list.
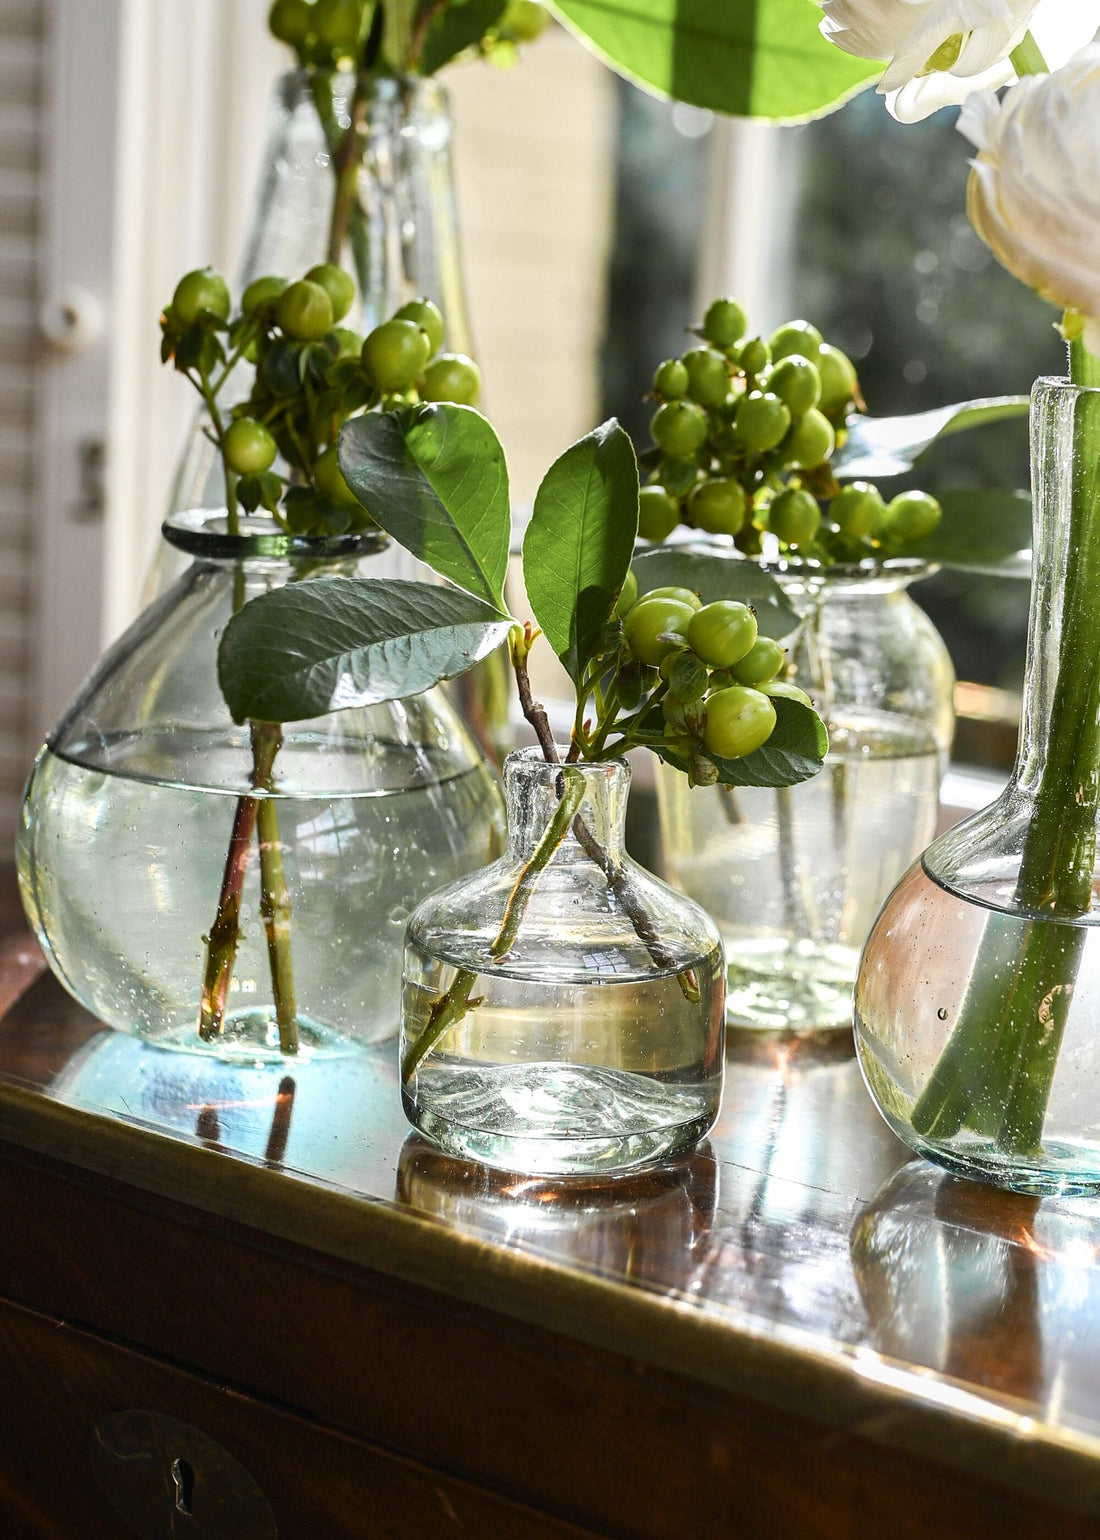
[(252, 1037), (558, 1119), (779, 985)]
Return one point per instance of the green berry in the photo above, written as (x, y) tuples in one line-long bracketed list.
[(261, 291), (724, 323), (628, 594), (658, 514), (328, 478), (671, 379), (524, 20), (249, 447), (779, 689), (679, 428), (451, 377), (762, 421), (679, 476), (839, 381), (722, 633), (718, 506), (349, 344), (857, 510), (796, 382), (755, 356), (685, 675), (708, 376), (794, 517), (739, 721), (199, 291), (395, 353), (290, 21), (795, 337), (336, 23), (681, 595), (652, 619), (337, 284), (428, 317), (762, 662), (304, 311), (810, 442), (911, 516)]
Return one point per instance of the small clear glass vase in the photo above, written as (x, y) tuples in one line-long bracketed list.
[(153, 825), (563, 1009), (978, 1000), (794, 876)]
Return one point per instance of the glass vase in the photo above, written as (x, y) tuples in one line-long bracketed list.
[(978, 1001), (794, 876), (563, 1010), (401, 240), (187, 874)]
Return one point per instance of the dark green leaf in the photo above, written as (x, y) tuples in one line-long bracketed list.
[(981, 531), (249, 493), (458, 26), (889, 446), (331, 643), (577, 549), (718, 577), (794, 752), (754, 58), (434, 476)]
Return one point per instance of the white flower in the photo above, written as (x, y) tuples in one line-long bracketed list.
[(1034, 191), (938, 51)]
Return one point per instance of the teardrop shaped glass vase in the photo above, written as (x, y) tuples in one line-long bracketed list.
[(179, 870)]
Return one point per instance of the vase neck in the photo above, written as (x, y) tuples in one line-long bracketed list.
[(535, 792)]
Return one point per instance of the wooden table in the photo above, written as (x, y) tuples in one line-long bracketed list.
[(255, 1303)]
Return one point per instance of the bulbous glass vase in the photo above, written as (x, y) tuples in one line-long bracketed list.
[(794, 876), (563, 1010), (978, 1000), (182, 871)]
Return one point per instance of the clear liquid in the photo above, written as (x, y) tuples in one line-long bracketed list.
[(949, 979), (794, 877), (120, 876), (552, 1076)]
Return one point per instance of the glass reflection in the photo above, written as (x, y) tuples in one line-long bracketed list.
[(643, 1225), (990, 1287)]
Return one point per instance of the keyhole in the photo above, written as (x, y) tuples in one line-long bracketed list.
[(183, 1476)]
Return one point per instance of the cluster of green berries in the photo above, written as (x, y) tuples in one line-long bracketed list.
[(311, 375), (324, 33), (744, 432), (711, 679)]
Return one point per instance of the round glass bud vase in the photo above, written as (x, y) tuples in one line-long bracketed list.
[(794, 876), (978, 1000), (182, 870), (563, 1010)]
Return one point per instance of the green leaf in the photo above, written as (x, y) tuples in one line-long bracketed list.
[(889, 446), (578, 545), (719, 577), (330, 643), (456, 28), (435, 478), (794, 752), (981, 531), (754, 58)]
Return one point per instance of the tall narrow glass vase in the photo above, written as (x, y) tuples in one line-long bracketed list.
[(978, 1000)]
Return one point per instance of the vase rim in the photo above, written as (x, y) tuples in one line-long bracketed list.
[(203, 532), (531, 759), (1061, 382), (385, 89)]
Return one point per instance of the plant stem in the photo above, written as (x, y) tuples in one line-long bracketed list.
[(345, 165), (997, 1069), (267, 738), (1027, 58), (225, 933)]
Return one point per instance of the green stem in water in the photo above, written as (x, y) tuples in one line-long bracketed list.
[(997, 1069), (267, 739)]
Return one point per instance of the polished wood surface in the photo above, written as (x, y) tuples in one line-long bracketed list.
[(797, 1330)]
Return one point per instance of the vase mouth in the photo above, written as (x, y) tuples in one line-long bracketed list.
[(531, 764), (895, 570), (383, 91), (204, 533), (1061, 383)]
